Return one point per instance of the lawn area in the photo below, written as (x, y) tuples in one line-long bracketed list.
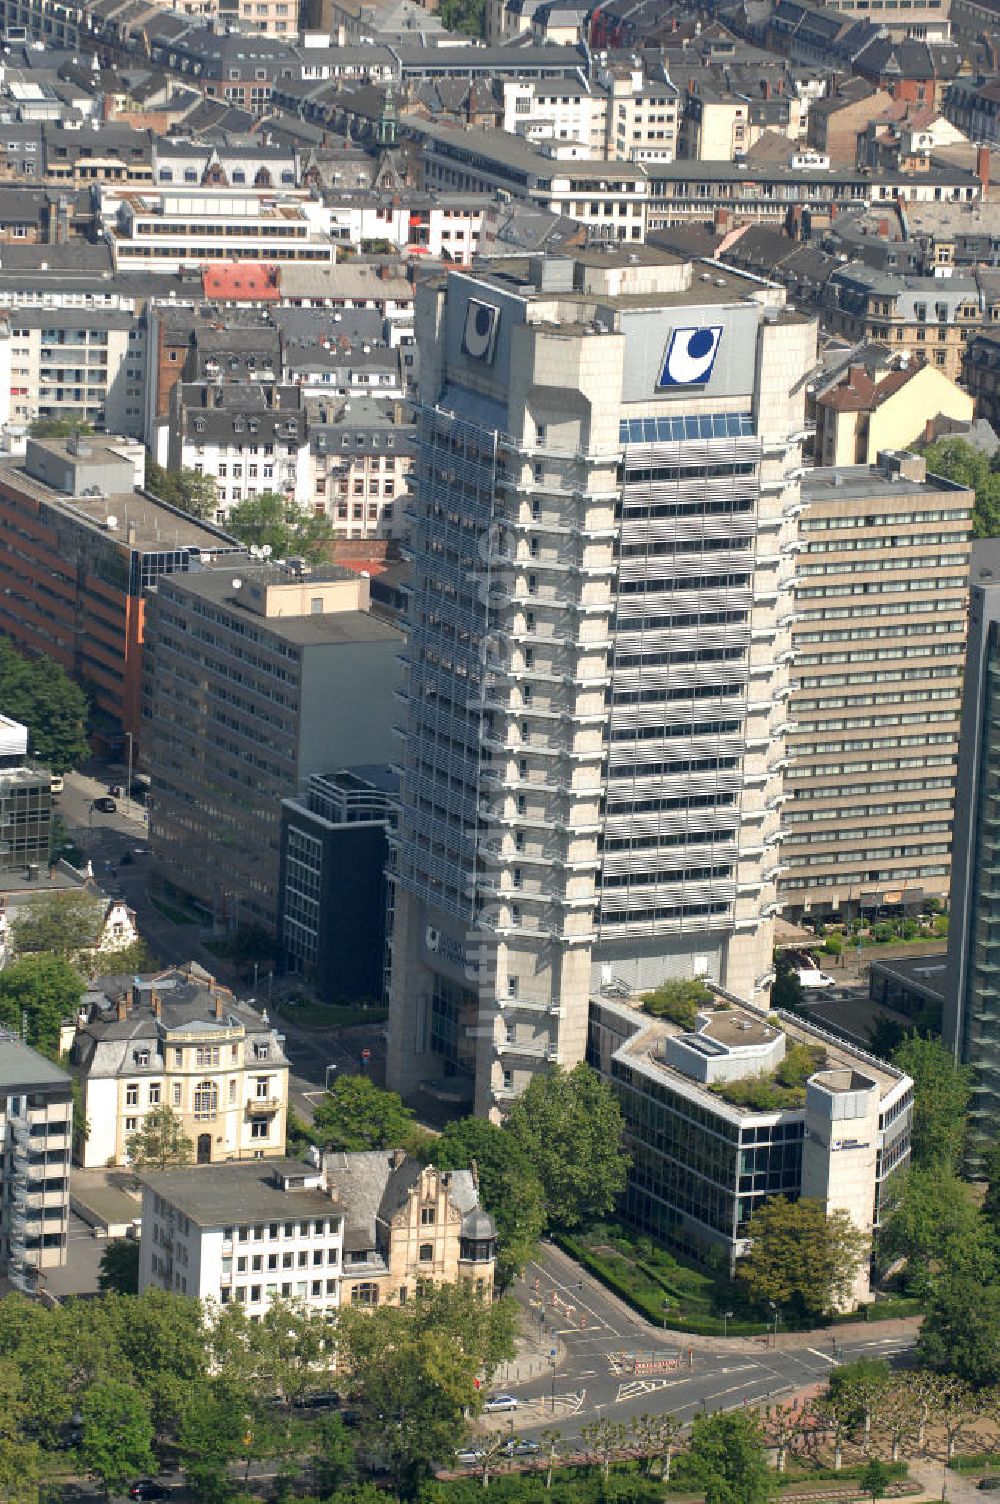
[(309, 1015), (647, 1275), (172, 911)]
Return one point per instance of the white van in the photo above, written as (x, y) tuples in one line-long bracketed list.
[(56, 784), (812, 977)]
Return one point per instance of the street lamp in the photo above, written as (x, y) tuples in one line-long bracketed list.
[(777, 1318), (326, 1079), (666, 1309), (128, 780), (727, 1316), (552, 1365)]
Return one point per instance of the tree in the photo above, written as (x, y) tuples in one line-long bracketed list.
[(117, 1433), (800, 1256), (414, 1368), (58, 428), (898, 1414), (162, 1340), (160, 1143), (874, 1479), (657, 1437), (959, 461), (46, 990), (569, 1125), (212, 1434), (786, 990), (991, 1201), (37, 692), (509, 1189), (465, 16), (860, 1386), (783, 1425), (932, 1222), (678, 1000), (727, 1459), (119, 1267), (961, 1331), (279, 523), (20, 1460), (607, 1439), (355, 1115), (61, 924), (941, 1091), (835, 1413), (333, 1460), (183, 488)]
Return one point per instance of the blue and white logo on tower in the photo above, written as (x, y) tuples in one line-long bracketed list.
[(480, 336), (691, 355)]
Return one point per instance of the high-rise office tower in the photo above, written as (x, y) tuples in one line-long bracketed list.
[(972, 980), (602, 531)]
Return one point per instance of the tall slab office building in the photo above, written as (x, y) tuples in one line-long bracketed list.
[(603, 530)]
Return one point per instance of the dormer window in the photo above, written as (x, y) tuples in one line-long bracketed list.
[(142, 1057)]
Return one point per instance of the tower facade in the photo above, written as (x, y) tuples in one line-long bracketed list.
[(603, 528)]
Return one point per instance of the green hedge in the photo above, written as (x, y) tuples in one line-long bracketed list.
[(976, 1462), (648, 1305)]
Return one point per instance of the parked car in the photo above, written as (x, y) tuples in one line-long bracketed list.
[(105, 805), (989, 1485), (521, 1447), (467, 1456), (56, 784), (147, 1490), (495, 1402)]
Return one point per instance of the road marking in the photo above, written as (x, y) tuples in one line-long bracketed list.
[(827, 1358), (632, 1390)]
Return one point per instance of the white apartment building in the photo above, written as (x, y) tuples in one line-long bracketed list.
[(179, 1040), (166, 229), (622, 117), (248, 440), (36, 1136), (603, 534), (361, 456), (250, 1234), (83, 363)]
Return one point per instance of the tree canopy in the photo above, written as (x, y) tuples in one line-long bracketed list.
[(800, 1256), (46, 990), (569, 1125), (355, 1115), (183, 488), (509, 1188), (727, 1458), (960, 1333), (160, 1142), (932, 1222), (678, 1000), (42, 696), (61, 924), (941, 1091), (960, 461), (276, 522)]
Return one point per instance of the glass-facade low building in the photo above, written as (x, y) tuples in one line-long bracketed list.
[(702, 1165)]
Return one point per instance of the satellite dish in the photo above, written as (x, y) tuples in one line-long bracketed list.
[(266, 551), (237, 583)]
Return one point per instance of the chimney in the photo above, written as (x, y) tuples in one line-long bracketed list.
[(122, 1007), (767, 88), (983, 170), (883, 228), (721, 218), (154, 999), (131, 535), (217, 999)]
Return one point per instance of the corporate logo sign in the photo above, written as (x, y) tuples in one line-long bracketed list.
[(480, 336), (690, 356)]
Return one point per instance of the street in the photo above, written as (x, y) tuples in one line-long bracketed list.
[(590, 1376), (105, 839)]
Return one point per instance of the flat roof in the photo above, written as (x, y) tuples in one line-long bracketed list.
[(848, 482), (645, 1047), (220, 1195), (24, 1069), (216, 585), (158, 528), (925, 972)]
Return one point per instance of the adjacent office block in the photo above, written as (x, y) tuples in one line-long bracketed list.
[(332, 891), (972, 979), (81, 544), (704, 1158), (879, 636), (25, 803), (602, 534), (257, 680), (36, 1137)]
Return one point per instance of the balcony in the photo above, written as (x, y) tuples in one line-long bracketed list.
[(263, 1107)]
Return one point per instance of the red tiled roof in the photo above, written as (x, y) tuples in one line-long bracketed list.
[(238, 280)]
